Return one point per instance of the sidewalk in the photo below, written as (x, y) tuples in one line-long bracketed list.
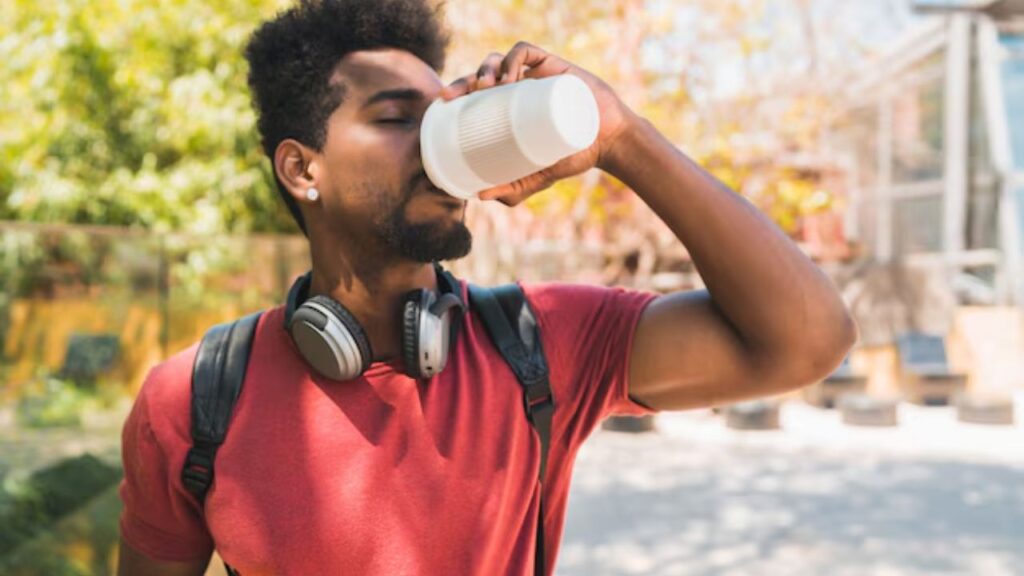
[(932, 496)]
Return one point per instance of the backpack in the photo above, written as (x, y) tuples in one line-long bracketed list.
[(220, 365)]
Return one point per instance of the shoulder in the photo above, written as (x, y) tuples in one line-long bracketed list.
[(163, 404), (561, 300), (171, 378), (167, 389), (166, 393)]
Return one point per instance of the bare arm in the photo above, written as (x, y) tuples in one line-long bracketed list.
[(769, 321), (131, 562)]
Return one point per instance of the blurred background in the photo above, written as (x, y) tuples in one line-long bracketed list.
[(886, 137)]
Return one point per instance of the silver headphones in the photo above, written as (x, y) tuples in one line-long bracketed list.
[(335, 345)]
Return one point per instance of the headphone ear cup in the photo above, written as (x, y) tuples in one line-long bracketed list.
[(411, 332), (330, 339)]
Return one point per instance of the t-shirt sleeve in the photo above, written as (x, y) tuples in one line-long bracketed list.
[(587, 333), (159, 518)]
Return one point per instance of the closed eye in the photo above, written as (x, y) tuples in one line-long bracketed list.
[(394, 121)]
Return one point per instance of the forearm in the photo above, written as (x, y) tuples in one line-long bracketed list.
[(778, 301)]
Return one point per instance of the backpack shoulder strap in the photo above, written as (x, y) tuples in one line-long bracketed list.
[(513, 328), (217, 376)]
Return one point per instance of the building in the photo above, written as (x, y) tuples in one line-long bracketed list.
[(932, 139)]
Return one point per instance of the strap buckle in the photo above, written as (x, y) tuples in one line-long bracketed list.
[(198, 472), (536, 394)]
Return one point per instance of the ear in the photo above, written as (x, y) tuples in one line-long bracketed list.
[(297, 166)]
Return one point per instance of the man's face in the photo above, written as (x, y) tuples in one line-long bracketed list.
[(374, 188)]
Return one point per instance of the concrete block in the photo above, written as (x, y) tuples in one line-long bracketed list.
[(978, 408), (633, 424), (868, 410), (762, 414)]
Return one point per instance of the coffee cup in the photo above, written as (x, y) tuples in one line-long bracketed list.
[(501, 134)]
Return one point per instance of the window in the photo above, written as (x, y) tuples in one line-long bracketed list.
[(983, 217), (1013, 85), (860, 140), (917, 224), (918, 122), (855, 137), (1020, 210), (867, 224), (982, 184)]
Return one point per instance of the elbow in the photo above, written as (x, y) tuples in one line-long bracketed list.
[(828, 343), (844, 337), (820, 349)]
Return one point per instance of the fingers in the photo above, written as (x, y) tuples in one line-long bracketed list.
[(487, 74), (485, 77), (518, 191), (525, 60), (457, 88)]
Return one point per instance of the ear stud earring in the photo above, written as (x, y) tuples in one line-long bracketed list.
[(312, 194)]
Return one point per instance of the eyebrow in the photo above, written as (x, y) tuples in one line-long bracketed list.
[(399, 94)]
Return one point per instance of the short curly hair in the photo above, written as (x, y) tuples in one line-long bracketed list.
[(293, 56)]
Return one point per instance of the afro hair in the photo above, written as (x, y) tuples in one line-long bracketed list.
[(293, 56)]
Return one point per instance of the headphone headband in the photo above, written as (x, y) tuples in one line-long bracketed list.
[(297, 294)]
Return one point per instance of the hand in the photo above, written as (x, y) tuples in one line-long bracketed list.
[(528, 61)]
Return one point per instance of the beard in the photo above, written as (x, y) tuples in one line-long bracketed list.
[(425, 242)]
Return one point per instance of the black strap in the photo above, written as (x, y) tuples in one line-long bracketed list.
[(217, 376), (501, 308)]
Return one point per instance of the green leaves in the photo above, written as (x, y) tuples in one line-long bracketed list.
[(133, 113)]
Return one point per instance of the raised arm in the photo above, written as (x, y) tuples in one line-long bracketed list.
[(769, 321)]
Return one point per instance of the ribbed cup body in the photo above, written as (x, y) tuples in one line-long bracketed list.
[(488, 142)]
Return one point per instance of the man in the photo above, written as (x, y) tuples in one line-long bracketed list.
[(388, 474)]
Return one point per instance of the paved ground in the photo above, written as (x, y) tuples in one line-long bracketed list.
[(933, 496)]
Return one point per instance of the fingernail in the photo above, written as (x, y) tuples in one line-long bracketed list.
[(504, 76)]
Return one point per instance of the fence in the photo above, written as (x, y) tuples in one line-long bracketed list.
[(75, 299)]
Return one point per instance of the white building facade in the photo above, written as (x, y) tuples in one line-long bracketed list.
[(933, 141)]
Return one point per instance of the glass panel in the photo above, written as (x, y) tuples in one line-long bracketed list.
[(917, 224), (917, 133), (1020, 214), (857, 136), (983, 187), (979, 153), (983, 216), (867, 226), (1013, 84)]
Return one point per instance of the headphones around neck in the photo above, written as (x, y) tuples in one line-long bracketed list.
[(335, 345)]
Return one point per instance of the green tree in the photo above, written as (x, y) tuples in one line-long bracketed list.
[(133, 113)]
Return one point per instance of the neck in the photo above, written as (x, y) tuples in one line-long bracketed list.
[(373, 291)]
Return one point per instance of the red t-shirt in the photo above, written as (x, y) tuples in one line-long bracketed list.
[(383, 474)]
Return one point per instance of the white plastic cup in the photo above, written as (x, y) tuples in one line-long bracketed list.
[(501, 134)]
